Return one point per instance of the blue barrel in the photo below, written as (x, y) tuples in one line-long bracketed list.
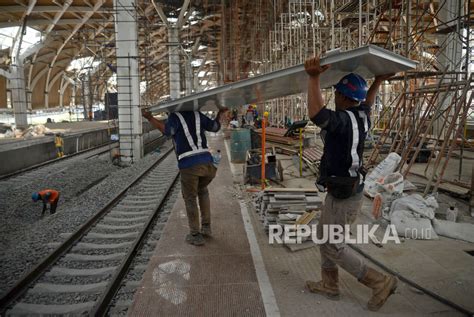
[(240, 143)]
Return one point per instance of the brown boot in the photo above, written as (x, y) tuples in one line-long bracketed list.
[(382, 287), (328, 286)]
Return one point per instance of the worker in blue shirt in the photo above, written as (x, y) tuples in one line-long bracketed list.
[(187, 128), (341, 173)]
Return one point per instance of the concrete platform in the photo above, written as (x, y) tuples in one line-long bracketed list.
[(20, 153), (217, 279), (238, 273)]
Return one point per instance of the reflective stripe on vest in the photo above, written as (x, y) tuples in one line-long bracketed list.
[(355, 141), (195, 149), (363, 116), (197, 117)]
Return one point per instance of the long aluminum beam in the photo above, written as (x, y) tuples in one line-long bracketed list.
[(367, 61)]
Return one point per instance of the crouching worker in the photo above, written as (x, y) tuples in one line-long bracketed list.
[(195, 164), (50, 196), (341, 173)]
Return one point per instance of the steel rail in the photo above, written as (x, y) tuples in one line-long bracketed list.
[(103, 304), (22, 285)]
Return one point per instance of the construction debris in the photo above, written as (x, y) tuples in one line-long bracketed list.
[(288, 207), (8, 131), (311, 156)]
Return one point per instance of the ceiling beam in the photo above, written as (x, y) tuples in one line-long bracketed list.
[(161, 13), (46, 8), (35, 22), (86, 19), (181, 17)]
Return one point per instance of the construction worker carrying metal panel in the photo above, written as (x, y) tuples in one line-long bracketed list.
[(195, 164), (342, 175)]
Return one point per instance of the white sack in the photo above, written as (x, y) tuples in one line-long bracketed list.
[(387, 166), (412, 226), (417, 204), (407, 185), (392, 183), (460, 231)]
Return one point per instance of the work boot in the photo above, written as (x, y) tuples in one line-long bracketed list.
[(195, 239), (206, 230), (328, 286), (382, 287)]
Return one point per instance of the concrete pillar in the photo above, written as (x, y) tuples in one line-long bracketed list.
[(128, 81), (73, 96), (85, 85), (450, 54), (61, 92), (188, 72), (173, 46), (16, 84)]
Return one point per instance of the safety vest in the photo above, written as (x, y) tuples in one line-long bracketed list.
[(58, 141), (53, 194), (196, 148), (356, 161)]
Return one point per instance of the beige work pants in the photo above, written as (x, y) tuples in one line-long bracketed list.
[(340, 212), (194, 181)]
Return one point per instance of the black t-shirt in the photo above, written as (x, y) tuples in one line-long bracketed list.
[(343, 149)]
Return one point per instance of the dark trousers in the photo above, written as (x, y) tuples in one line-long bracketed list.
[(194, 181), (54, 205)]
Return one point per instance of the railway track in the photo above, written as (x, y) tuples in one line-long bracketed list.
[(85, 271)]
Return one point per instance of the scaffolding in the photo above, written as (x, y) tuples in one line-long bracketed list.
[(429, 107), (220, 42)]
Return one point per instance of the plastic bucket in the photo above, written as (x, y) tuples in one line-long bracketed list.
[(240, 143)]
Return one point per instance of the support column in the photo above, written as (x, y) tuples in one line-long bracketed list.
[(188, 72), (128, 81), (85, 86), (451, 52), (173, 39), (18, 94)]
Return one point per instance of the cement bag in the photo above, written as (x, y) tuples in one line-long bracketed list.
[(387, 166), (412, 226), (407, 185), (455, 230), (417, 204), (392, 183)]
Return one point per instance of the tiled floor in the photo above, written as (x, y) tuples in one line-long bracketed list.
[(219, 279)]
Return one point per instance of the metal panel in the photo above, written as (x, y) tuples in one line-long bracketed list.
[(367, 61)]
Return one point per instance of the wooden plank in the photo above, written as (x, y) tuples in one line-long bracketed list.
[(302, 246), (292, 190), (290, 196)]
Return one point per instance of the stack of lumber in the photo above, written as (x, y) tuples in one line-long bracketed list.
[(285, 206), (311, 156), (276, 135)]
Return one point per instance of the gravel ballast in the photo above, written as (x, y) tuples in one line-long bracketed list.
[(24, 235)]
